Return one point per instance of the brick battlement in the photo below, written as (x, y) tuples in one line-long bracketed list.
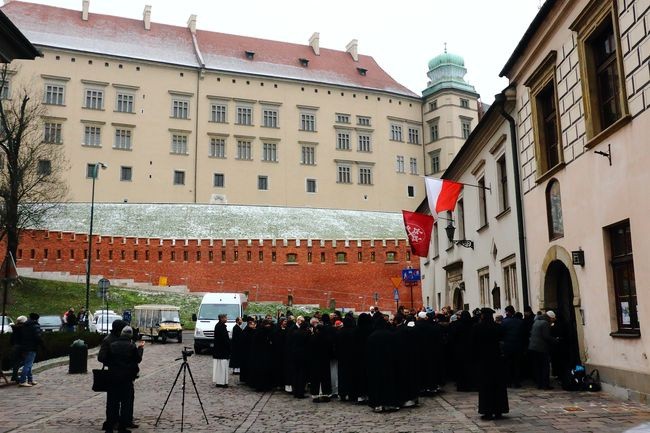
[(313, 271)]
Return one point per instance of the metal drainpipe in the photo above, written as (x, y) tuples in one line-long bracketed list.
[(196, 129), (501, 99)]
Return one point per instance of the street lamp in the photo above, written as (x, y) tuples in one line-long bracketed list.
[(95, 172), (450, 229)]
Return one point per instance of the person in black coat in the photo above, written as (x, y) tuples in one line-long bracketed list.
[(407, 369), (246, 354), (345, 341), (297, 352), (235, 346), (262, 374), (278, 352), (17, 349), (380, 360), (221, 353), (514, 334), (461, 341), (113, 408), (492, 391), (359, 366), (318, 353)]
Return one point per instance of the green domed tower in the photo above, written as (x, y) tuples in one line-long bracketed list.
[(447, 71)]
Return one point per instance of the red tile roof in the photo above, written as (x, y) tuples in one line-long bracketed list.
[(123, 37)]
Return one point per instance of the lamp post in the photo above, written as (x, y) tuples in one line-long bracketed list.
[(450, 229), (90, 232)]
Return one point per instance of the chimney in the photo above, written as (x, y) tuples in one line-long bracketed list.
[(146, 17), (352, 48), (191, 24), (85, 5), (314, 43)]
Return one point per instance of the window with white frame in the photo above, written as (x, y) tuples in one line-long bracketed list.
[(92, 135), (126, 174), (484, 286), (124, 102), (179, 144), (94, 99), (364, 143), (343, 140), (482, 203), (218, 180), (399, 164), (308, 156), (343, 173), (217, 147), (218, 113), (396, 132), (5, 89), (44, 167), (365, 175), (414, 136), (179, 177), (363, 120), (460, 210), (262, 183), (413, 163), (502, 176), (342, 118), (180, 108), (311, 185), (54, 94), (244, 150), (510, 280), (433, 130), (52, 132), (466, 127), (270, 152), (244, 115), (123, 139), (308, 122), (270, 117)]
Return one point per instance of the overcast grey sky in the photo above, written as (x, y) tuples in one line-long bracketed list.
[(402, 36)]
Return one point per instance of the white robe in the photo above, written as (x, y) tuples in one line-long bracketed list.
[(220, 371)]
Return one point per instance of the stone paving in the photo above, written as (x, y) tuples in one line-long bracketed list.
[(63, 403)]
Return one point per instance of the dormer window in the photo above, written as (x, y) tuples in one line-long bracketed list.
[(362, 71), (250, 54), (304, 62)]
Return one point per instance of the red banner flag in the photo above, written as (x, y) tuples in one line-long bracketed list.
[(418, 228)]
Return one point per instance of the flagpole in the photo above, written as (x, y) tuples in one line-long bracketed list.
[(467, 184)]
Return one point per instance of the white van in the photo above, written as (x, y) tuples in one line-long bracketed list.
[(212, 305)]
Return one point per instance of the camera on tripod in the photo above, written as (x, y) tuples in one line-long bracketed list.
[(187, 351)]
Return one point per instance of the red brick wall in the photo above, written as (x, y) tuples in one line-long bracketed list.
[(210, 265)]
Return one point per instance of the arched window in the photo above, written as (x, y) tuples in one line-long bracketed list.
[(554, 210)]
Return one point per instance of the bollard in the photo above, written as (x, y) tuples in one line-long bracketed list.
[(78, 357)]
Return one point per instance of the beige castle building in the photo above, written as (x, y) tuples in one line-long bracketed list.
[(182, 115)]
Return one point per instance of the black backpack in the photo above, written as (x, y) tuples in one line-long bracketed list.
[(591, 381)]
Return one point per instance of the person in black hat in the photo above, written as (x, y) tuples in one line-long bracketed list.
[(492, 391)]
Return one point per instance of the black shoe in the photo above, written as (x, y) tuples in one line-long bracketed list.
[(316, 400), (133, 425), (498, 416), (325, 399), (487, 417), (218, 385)]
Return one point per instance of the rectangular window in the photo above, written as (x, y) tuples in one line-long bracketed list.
[(622, 265), (414, 136), (413, 163), (122, 139), (410, 191), (244, 116), (482, 203), (217, 148), (399, 164), (179, 177), (308, 122), (308, 155), (5, 90), (484, 286), (94, 99), (218, 113), (179, 144), (363, 121), (466, 128), (436, 245), (54, 94), (342, 118), (502, 173), (464, 103), (510, 282), (219, 180), (311, 185), (460, 210), (343, 141), (433, 105), (44, 167), (180, 109), (434, 157), (365, 175), (270, 152), (343, 174), (433, 129), (270, 118), (52, 133), (92, 136), (125, 103), (263, 183), (126, 174), (396, 132), (244, 150), (364, 143)]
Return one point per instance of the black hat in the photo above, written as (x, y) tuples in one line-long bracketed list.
[(34, 316), (487, 311)]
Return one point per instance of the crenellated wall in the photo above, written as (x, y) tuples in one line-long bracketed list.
[(312, 271)]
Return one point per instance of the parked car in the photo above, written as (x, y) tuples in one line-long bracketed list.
[(104, 323), (50, 323), (7, 324), (93, 316), (159, 321)]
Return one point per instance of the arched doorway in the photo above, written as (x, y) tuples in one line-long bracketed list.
[(458, 299), (559, 297)]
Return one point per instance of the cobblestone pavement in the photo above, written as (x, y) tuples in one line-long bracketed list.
[(63, 403)]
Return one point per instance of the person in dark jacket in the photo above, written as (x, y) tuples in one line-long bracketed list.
[(262, 374), (297, 351), (492, 391), (539, 347), (124, 358), (31, 341), (246, 353), (235, 346), (380, 361), (461, 342), (17, 349), (345, 350), (514, 332), (113, 408), (318, 353), (221, 353)]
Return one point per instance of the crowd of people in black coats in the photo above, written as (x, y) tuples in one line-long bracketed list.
[(389, 363)]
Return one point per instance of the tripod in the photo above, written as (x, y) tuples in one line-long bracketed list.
[(185, 367)]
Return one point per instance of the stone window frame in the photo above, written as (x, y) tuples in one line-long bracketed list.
[(485, 293)]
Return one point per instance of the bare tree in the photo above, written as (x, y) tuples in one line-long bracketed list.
[(31, 165)]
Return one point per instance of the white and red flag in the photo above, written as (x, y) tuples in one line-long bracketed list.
[(442, 194), (418, 228)]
